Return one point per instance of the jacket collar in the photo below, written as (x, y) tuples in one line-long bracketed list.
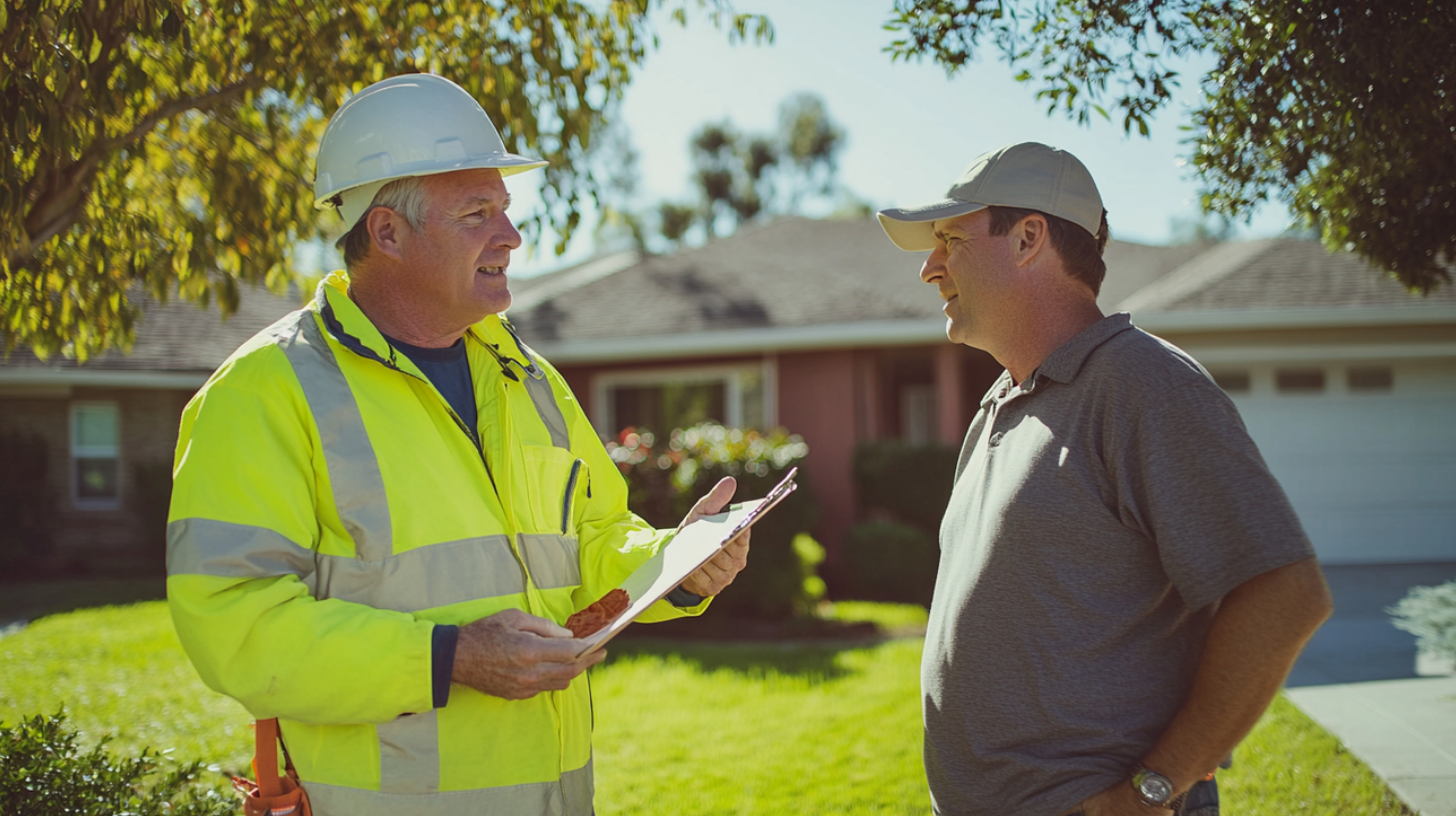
[(347, 323)]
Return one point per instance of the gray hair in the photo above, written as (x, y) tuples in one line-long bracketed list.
[(406, 196)]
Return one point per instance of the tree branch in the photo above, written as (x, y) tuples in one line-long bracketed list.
[(59, 207)]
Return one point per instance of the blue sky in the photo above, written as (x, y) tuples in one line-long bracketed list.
[(910, 129)]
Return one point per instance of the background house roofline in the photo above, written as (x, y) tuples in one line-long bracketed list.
[(1325, 317), (102, 378), (750, 340)]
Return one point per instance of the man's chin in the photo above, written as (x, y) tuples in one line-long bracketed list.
[(493, 296)]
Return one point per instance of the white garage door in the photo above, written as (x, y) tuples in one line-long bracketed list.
[(1366, 451)]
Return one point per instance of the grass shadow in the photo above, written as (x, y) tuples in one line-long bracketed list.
[(817, 663), (25, 601)]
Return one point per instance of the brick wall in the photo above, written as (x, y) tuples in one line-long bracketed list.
[(108, 540)]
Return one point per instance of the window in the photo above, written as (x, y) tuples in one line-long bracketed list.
[(96, 455), (917, 414), (1233, 382), (1370, 378), (1300, 380), (679, 398)]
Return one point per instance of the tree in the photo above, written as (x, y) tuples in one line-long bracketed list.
[(741, 176), (1343, 109), (167, 145)]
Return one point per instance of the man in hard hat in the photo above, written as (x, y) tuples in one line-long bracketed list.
[(385, 504), (1123, 585)]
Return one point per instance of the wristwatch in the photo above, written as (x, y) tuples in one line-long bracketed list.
[(1155, 790)]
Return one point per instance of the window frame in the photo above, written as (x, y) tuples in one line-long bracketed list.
[(77, 451), (730, 375)]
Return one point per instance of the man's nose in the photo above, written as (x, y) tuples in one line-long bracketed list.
[(508, 236), (934, 267)]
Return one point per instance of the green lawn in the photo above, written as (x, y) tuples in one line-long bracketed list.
[(680, 727)]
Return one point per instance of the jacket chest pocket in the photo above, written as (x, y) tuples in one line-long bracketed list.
[(553, 479)]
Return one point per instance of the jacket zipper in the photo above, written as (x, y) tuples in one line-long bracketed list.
[(570, 491)]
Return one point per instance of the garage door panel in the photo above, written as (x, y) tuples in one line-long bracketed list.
[(1378, 483), (1372, 476), (1375, 535)]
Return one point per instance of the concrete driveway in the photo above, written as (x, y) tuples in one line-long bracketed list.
[(1359, 679)]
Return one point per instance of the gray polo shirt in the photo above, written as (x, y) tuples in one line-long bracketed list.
[(1100, 511)]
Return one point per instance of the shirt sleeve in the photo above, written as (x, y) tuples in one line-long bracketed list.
[(1191, 478)]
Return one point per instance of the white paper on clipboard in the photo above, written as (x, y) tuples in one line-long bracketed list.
[(689, 549)]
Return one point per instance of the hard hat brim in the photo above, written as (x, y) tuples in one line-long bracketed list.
[(509, 164)]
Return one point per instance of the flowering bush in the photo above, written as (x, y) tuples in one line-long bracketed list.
[(666, 477)]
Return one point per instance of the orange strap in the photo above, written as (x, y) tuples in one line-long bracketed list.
[(271, 795), (265, 760)]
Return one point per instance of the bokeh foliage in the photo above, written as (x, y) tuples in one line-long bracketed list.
[(167, 146), (666, 477), (1345, 110)]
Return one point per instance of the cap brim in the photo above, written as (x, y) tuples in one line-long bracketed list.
[(913, 228)]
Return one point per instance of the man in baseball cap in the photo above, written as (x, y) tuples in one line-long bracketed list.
[(1123, 584)]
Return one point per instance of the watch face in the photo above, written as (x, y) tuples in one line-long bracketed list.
[(1155, 787)]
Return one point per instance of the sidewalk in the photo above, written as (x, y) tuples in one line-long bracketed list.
[(1405, 730), (1358, 679)]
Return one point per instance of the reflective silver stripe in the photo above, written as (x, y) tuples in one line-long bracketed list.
[(409, 754), (198, 546), (545, 400), (571, 796), (423, 578), (353, 468), (426, 577), (554, 560)]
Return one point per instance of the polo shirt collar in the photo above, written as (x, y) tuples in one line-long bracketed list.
[(1063, 364)]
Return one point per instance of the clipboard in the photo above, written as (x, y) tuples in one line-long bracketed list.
[(690, 548)]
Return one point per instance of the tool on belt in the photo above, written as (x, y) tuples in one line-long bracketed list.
[(271, 795)]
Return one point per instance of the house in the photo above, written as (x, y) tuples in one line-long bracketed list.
[(110, 426), (1346, 381)]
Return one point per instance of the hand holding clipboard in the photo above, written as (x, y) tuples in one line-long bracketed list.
[(692, 546)]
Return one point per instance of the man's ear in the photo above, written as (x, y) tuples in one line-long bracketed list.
[(386, 231), (1030, 236)]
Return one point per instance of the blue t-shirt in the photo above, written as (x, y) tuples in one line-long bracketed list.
[(449, 370)]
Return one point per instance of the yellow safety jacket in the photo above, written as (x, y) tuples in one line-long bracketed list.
[(329, 508)]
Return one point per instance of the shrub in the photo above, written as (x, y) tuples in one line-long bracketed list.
[(43, 772), (889, 561), (26, 504), (909, 484), (1429, 613), (665, 480)]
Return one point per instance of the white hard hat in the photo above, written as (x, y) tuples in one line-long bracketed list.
[(410, 125)]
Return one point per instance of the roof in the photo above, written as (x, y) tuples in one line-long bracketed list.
[(176, 338), (785, 273), (796, 283)]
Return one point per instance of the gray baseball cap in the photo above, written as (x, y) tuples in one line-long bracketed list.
[(1027, 176)]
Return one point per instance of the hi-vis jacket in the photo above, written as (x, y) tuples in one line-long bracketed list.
[(329, 508)]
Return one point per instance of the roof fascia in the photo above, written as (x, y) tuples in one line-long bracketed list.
[(164, 380), (1216, 319), (747, 341), (1224, 355)]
